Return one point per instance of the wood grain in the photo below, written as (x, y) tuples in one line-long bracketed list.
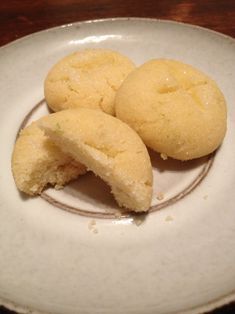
[(20, 18)]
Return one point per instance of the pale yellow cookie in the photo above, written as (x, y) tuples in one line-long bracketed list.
[(37, 162), (108, 147), (176, 109), (87, 78)]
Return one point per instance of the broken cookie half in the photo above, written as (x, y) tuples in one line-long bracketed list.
[(37, 162), (109, 148)]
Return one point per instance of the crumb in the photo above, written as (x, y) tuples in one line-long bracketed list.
[(205, 197), (118, 215), (169, 218), (163, 156), (138, 219), (95, 231), (160, 196), (138, 222), (59, 187), (91, 224)]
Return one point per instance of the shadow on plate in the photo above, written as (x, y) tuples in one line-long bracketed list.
[(90, 187), (174, 165)]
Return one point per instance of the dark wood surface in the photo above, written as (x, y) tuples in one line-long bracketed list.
[(22, 17), (19, 18)]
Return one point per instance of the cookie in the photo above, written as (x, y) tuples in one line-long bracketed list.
[(87, 78), (109, 148), (177, 110), (37, 162)]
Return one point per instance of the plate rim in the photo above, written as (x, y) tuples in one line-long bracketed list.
[(117, 19), (212, 305), (202, 309)]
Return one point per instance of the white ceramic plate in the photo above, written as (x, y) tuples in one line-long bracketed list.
[(179, 259)]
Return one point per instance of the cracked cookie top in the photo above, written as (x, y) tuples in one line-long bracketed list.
[(176, 109), (88, 78)]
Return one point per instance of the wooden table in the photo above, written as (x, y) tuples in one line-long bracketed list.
[(20, 18)]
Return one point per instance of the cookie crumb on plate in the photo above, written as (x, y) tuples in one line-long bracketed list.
[(160, 196), (169, 218)]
